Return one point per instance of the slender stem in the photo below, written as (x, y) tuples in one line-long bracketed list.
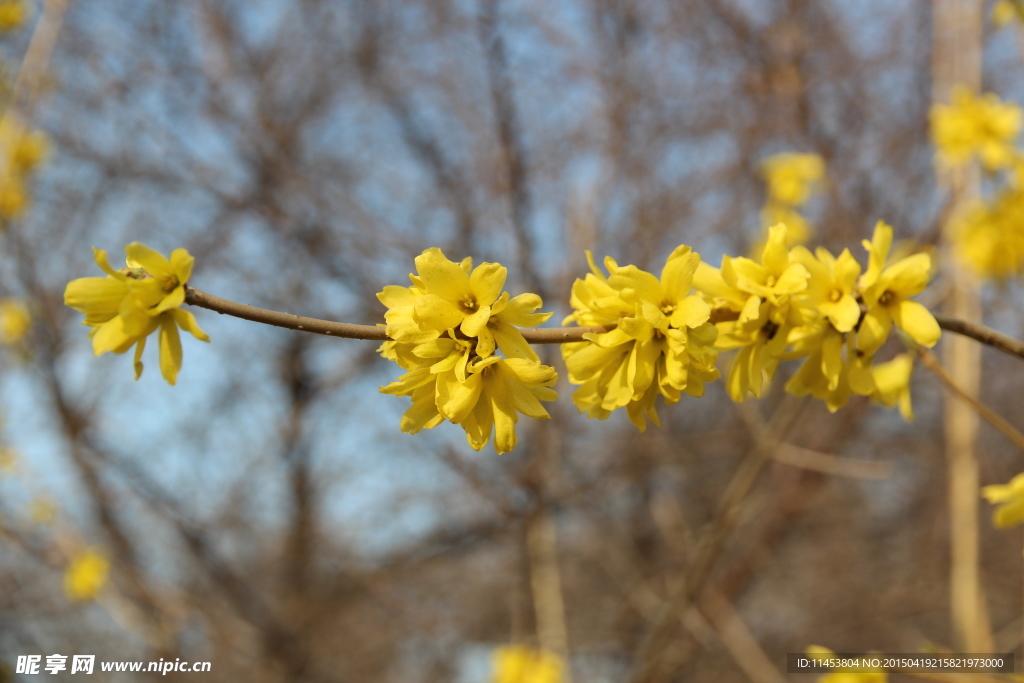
[(985, 335), (929, 360), (551, 335), (195, 297)]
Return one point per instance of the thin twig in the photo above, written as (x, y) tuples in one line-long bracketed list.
[(985, 335), (551, 335), (195, 297), (1009, 431)]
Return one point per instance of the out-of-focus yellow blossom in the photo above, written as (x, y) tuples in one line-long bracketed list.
[(752, 304), (989, 237), (792, 177), (522, 664), (445, 332), (886, 289), (799, 230), (8, 459), (892, 384), (1005, 11), (15, 320), (86, 575), (860, 676), (128, 305), (1010, 499), (21, 150), (662, 343), (42, 511), (13, 14), (983, 126)]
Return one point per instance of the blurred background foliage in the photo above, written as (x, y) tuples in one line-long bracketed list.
[(267, 515)]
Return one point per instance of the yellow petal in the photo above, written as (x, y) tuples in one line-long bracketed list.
[(519, 311), (394, 296), (529, 373), (110, 336), (775, 256), (432, 311), (644, 284), (181, 264), (845, 314), (908, 276), (100, 256), (472, 324), (442, 277), (98, 297), (486, 282), (511, 342), (153, 261), (1009, 515), (173, 300), (170, 350), (692, 311), (677, 275), (186, 321), (461, 397), (139, 348), (918, 322), (874, 329), (505, 415)]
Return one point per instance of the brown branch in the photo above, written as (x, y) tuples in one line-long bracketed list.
[(929, 360), (556, 335), (551, 335), (985, 335)]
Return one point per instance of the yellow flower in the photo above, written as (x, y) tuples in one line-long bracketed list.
[(1005, 11), (42, 511), (13, 14), (826, 374), (975, 125), (799, 228), (15, 320), (892, 384), (791, 177), (1010, 498), (752, 303), (8, 459), (662, 343), (522, 664), (128, 305), (21, 150), (86, 575), (445, 330), (859, 676), (885, 291), (989, 238), (455, 296), (830, 289)]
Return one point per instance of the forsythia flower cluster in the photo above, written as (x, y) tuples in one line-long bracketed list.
[(988, 233), (21, 151), (1010, 499), (86, 575), (455, 333), (1006, 11), (662, 343), (129, 304), (791, 180), (790, 304)]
